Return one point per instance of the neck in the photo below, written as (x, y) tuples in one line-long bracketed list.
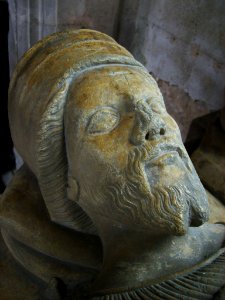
[(135, 259)]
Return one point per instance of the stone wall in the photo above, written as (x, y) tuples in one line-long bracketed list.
[(183, 44)]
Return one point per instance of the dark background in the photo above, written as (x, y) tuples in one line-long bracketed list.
[(7, 162)]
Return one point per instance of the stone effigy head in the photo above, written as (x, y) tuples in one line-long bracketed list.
[(105, 159), (91, 124)]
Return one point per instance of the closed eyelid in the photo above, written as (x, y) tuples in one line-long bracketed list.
[(103, 109), (102, 121)]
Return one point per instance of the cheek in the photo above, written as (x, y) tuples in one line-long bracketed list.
[(112, 148)]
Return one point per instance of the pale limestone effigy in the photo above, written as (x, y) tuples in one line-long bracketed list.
[(108, 203)]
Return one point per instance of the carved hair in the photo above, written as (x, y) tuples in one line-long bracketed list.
[(37, 97)]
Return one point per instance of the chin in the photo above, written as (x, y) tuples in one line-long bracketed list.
[(161, 196), (165, 197)]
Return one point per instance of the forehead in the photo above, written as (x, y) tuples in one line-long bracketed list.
[(112, 85)]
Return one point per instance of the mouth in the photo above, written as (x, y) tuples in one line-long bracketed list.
[(168, 153), (166, 157), (164, 150)]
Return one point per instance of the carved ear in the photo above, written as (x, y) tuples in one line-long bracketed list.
[(72, 189), (82, 222)]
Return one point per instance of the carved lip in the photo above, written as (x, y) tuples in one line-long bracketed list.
[(163, 156), (164, 151)]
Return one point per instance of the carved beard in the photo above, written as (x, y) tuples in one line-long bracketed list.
[(169, 209)]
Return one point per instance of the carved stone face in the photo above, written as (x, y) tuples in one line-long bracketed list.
[(126, 155)]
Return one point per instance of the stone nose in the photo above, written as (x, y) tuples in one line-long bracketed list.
[(148, 125)]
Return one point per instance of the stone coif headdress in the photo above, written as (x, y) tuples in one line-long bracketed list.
[(37, 97)]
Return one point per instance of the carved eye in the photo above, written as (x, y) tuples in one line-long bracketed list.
[(103, 121)]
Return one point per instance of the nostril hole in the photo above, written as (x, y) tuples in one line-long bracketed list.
[(147, 136), (162, 131)]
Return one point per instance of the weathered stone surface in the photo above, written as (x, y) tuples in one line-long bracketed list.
[(13, 286), (100, 15), (105, 172), (216, 208), (209, 161), (180, 42), (15, 282)]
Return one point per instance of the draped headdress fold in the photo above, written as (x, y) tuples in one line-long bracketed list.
[(37, 97)]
